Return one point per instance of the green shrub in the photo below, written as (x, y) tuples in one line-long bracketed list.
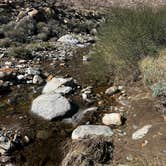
[(5, 42), (20, 52), (129, 35), (154, 72)]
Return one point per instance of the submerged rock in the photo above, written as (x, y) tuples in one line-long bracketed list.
[(140, 133), (84, 116), (90, 131), (50, 106)]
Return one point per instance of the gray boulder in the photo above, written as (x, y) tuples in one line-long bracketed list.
[(90, 131), (50, 106)]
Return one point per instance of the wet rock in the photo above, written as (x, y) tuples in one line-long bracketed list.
[(87, 95), (37, 80), (50, 106), (112, 119), (89, 152), (82, 117), (55, 83), (140, 133), (90, 131), (5, 143), (112, 90)]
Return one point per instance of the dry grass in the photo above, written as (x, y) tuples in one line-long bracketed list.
[(154, 72)]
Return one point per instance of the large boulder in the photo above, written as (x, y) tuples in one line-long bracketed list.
[(50, 106), (90, 131)]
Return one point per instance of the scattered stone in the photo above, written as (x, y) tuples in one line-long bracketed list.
[(33, 13), (50, 106), (112, 119), (20, 77), (31, 71), (37, 80), (90, 131), (26, 139), (112, 90), (140, 133), (121, 88), (130, 157), (86, 58)]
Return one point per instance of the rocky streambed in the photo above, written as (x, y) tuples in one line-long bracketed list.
[(52, 111)]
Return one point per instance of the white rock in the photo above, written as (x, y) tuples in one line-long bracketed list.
[(55, 83), (50, 106), (20, 77), (8, 63), (121, 88), (22, 61), (112, 119), (111, 90), (63, 90), (37, 80), (140, 133), (69, 39), (32, 71), (90, 131), (86, 58), (29, 82)]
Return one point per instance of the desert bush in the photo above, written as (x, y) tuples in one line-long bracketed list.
[(5, 42), (20, 52), (129, 35), (154, 72), (40, 46)]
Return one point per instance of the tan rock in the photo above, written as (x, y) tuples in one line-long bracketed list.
[(112, 119)]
